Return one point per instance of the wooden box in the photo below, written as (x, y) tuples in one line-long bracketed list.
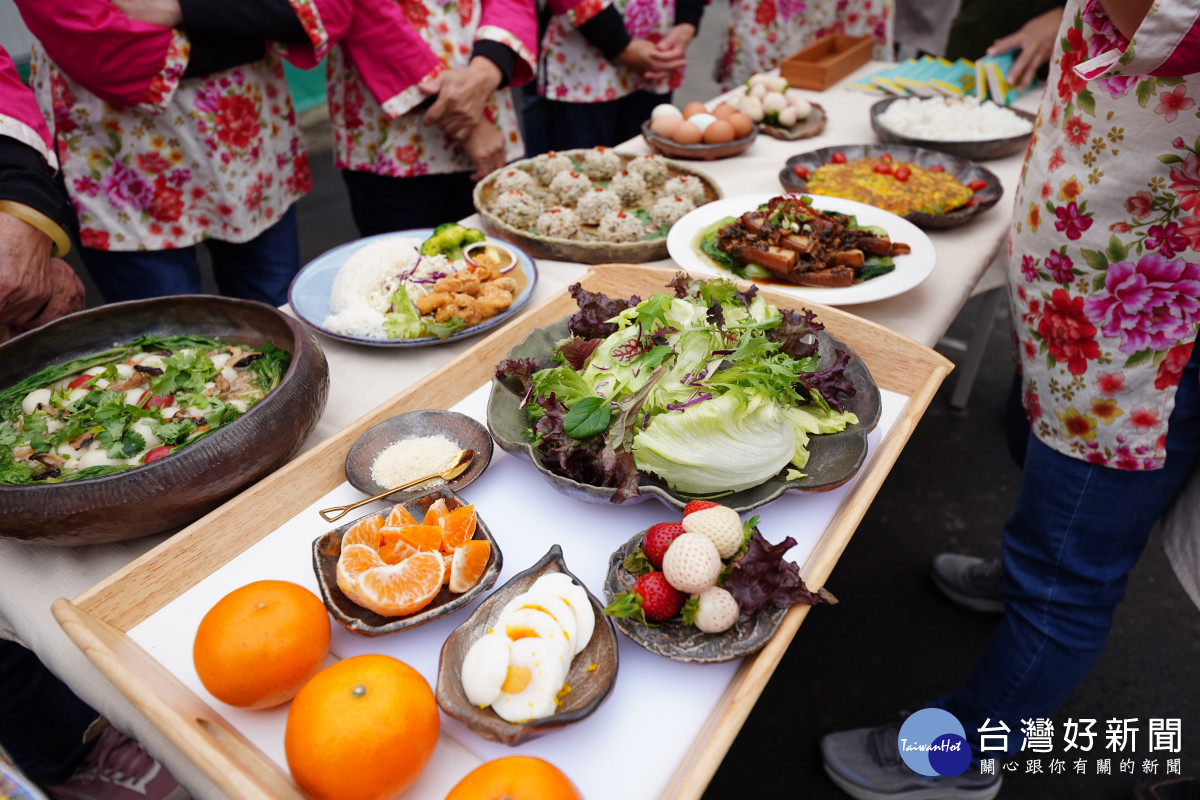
[(826, 61), (98, 620)]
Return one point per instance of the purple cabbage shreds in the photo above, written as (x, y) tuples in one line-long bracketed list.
[(696, 398), (595, 309), (832, 381), (764, 576), (577, 351), (796, 333)]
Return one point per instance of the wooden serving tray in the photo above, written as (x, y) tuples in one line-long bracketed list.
[(98, 620)]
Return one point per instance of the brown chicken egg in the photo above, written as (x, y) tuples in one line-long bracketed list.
[(693, 108), (665, 126), (686, 133), (718, 132), (742, 125), (724, 111)]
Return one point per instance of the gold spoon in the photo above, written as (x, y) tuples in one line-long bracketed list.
[(457, 468)]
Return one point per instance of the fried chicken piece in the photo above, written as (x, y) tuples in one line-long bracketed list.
[(464, 307), (493, 303), (428, 303), (461, 282)]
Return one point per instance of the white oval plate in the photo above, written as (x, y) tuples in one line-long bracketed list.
[(910, 270)]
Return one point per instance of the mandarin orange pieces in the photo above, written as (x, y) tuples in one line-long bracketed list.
[(365, 531), (354, 560), (436, 511), (400, 516), (468, 564), (395, 590), (448, 561), (421, 537), (457, 527), (394, 548)]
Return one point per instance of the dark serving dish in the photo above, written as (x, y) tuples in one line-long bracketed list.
[(966, 171), (459, 428), (590, 686), (701, 151), (977, 150), (834, 458), (327, 547), (181, 488)]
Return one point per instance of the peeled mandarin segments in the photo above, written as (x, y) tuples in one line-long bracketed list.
[(355, 560), (448, 561), (394, 548), (468, 563), (394, 590), (421, 537), (436, 511), (365, 531), (457, 527), (398, 517)]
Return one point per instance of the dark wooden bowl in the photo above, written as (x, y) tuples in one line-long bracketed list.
[(327, 547), (183, 487), (589, 687), (976, 150), (697, 152)]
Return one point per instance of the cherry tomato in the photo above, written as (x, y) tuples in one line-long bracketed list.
[(972, 202), (903, 173), (937, 168), (79, 382), (159, 402), (838, 157), (886, 157), (156, 453), (801, 172), (883, 169), (977, 185)]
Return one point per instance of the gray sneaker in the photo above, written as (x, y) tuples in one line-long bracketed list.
[(973, 583), (866, 764)]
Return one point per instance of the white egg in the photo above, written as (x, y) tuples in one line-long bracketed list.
[(551, 604), (523, 623), (536, 673), (576, 597), (484, 668), (665, 110), (702, 121)]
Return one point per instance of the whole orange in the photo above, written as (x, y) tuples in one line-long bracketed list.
[(259, 644), (515, 778), (361, 729)]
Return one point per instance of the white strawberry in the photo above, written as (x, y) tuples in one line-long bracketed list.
[(692, 563), (720, 524), (717, 611)]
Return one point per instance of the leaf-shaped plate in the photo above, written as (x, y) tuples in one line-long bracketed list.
[(590, 686)]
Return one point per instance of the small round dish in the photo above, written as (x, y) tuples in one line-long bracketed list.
[(699, 152), (328, 547), (591, 676), (804, 129), (680, 642), (458, 428), (965, 171), (978, 150)]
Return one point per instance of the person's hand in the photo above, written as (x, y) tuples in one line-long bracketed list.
[(1036, 41), (644, 57), (30, 279), (166, 13), (485, 146), (461, 95), (671, 49)]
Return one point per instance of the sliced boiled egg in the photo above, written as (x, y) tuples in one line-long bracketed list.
[(534, 678), (549, 603), (485, 667), (575, 596), (525, 623)]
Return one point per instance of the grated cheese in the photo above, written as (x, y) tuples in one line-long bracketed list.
[(413, 458)]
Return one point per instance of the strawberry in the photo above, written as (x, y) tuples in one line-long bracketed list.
[(719, 523), (716, 611), (651, 598), (658, 539), (692, 563), (698, 505)]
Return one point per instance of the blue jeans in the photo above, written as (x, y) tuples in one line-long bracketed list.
[(42, 722), (1077, 531), (260, 269)]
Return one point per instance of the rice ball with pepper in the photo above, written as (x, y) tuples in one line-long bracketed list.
[(629, 186), (601, 163), (517, 208), (558, 223), (652, 168), (595, 203), (669, 208), (546, 166), (687, 186), (513, 178), (620, 226), (569, 187)]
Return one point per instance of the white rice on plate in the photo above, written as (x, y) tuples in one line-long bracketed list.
[(947, 120)]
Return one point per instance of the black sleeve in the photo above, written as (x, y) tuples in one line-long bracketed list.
[(25, 178), (215, 53), (251, 19), (606, 31), (689, 12), (499, 54)]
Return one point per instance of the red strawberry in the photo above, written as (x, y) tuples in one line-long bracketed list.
[(698, 505), (658, 539), (660, 600)]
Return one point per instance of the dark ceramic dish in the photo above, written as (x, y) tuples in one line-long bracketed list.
[(977, 150), (589, 687), (181, 488), (698, 152), (804, 129), (458, 428), (681, 642), (327, 548), (834, 459), (965, 171)]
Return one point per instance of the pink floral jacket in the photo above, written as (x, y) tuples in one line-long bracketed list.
[(1104, 268), (19, 115)]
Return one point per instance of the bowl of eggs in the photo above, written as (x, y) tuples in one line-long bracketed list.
[(697, 133)]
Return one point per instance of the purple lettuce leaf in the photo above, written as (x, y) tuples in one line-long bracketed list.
[(797, 333), (832, 382), (577, 351), (595, 309), (764, 576)]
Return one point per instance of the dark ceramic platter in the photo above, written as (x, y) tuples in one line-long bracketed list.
[(978, 150), (834, 458), (965, 171), (458, 428), (589, 687), (701, 152), (181, 488), (327, 547), (805, 129), (681, 642)]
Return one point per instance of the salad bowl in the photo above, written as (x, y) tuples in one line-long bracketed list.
[(834, 457)]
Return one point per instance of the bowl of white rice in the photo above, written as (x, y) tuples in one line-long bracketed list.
[(963, 127)]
